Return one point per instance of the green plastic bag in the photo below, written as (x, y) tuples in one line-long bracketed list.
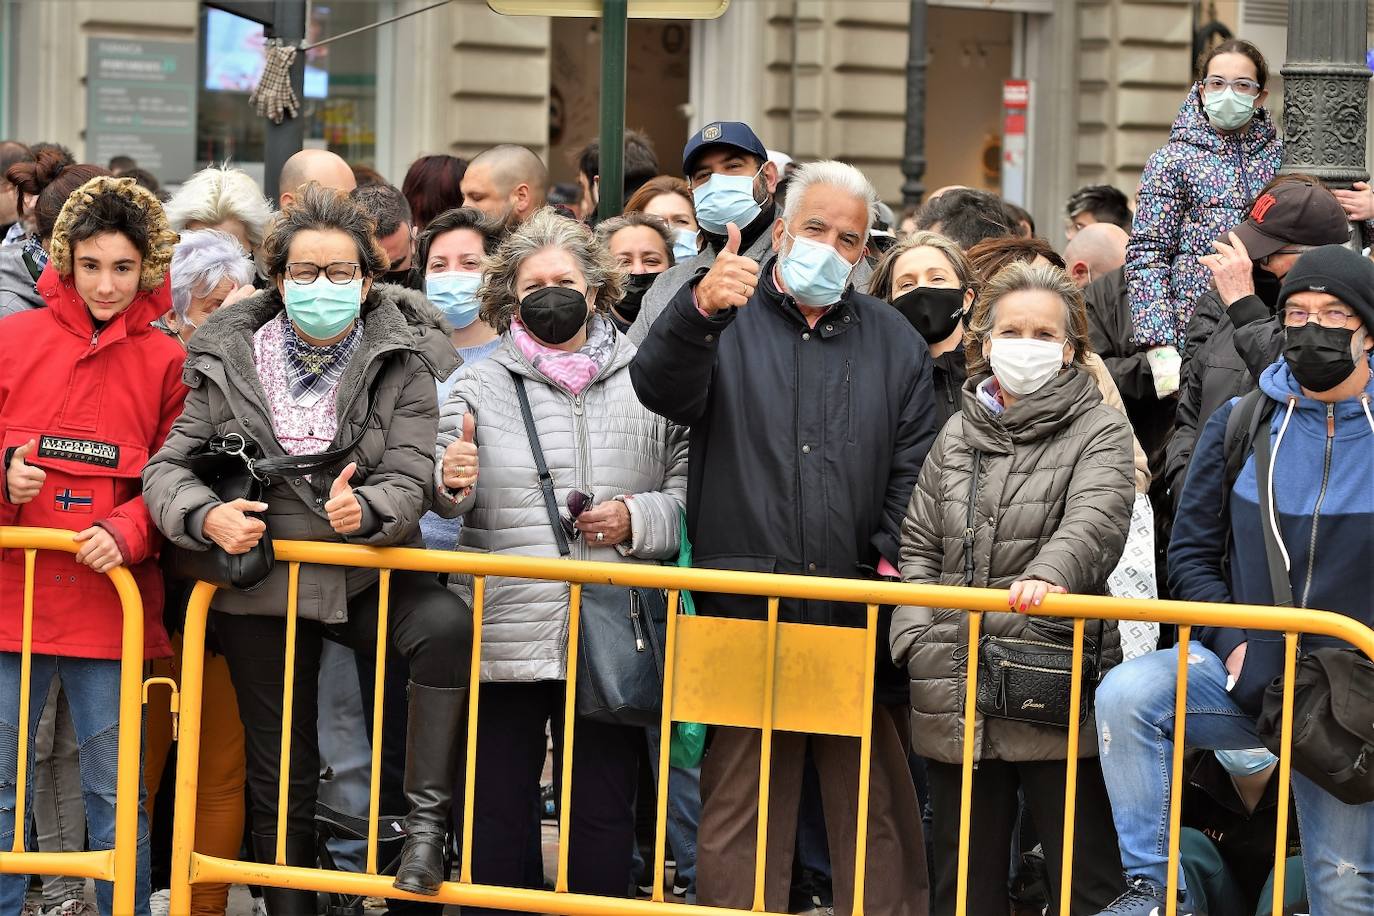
[(688, 741)]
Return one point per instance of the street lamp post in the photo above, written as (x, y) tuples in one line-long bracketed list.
[(1326, 91), (914, 148)]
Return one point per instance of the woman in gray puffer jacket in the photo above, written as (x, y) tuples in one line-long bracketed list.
[(548, 290), (1047, 468), (293, 369)]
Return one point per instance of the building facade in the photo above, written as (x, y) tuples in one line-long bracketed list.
[(818, 78)]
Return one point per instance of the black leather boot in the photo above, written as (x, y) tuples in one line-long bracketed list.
[(436, 715), (300, 850)]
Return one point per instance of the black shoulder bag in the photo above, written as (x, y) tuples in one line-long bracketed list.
[(1027, 680), (1333, 691), (233, 467), (623, 630)]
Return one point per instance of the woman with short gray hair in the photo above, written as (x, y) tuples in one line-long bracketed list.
[(619, 470), (1029, 488), (325, 361), (209, 270)]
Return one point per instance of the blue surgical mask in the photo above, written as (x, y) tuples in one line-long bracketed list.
[(454, 293), (684, 244), (1246, 762), (815, 274), (322, 309), (724, 199)]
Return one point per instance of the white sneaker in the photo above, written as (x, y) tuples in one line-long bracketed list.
[(160, 903)]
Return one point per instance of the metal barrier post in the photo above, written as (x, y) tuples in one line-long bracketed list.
[(21, 780), (288, 708), (479, 589), (975, 623), (770, 667), (1290, 653), (569, 720), (378, 696), (665, 741), (1071, 767), (1176, 779), (188, 750), (865, 761)]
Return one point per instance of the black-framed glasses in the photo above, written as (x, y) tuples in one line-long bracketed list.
[(1243, 86), (1294, 317), (578, 502), (339, 272)]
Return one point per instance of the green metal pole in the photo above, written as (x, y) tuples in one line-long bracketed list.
[(6, 33), (612, 165)]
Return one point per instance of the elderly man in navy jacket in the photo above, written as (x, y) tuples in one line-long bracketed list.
[(811, 410)]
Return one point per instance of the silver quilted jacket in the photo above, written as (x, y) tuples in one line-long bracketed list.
[(604, 442)]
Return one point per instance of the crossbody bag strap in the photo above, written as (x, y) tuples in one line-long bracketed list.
[(971, 518), (309, 464), (1279, 584), (545, 478)]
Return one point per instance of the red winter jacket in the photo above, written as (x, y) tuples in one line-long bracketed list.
[(99, 403)]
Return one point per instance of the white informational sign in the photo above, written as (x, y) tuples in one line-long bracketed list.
[(141, 102)]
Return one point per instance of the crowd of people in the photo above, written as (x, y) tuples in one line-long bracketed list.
[(758, 365)]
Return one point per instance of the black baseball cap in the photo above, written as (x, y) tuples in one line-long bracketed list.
[(1338, 271), (1293, 213), (722, 133)]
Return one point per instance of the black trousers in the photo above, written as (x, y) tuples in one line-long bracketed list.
[(429, 632), (511, 749), (1097, 879)]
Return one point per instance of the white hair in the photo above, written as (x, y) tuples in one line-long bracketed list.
[(839, 175), (220, 193), (201, 260)]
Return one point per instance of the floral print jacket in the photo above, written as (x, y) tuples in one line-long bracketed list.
[(1195, 189)]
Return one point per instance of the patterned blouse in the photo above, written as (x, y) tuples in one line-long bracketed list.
[(301, 382)]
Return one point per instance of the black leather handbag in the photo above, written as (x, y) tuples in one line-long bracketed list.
[(623, 630), (1333, 689), (1027, 680), (233, 467)]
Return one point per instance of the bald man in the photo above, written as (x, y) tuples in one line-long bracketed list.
[(507, 182), (1095, 251), (317, 165)]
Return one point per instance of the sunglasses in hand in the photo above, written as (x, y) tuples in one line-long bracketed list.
[(578, 502)]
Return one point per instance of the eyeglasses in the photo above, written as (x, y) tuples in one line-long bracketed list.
[(1242, 86), (339, 272), (1327, 317), (578, 502)]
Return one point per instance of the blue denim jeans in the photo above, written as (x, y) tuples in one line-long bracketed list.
[(92, 690), (684, 813), (1135, 713)]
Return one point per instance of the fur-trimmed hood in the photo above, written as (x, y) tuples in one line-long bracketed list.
[(161, 238)]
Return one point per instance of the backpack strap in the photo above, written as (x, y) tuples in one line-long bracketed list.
[(1280, 586), (1245, 419)]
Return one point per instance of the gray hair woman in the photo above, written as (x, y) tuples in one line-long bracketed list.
[(621, 472), (209, 270), (1028, 488), (222, 198), (322, 359)]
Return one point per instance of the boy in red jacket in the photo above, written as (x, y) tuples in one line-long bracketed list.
[(88, 390)]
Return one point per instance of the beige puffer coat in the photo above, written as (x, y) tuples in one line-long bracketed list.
[(603, 442), (404, 338), (1054, 502)]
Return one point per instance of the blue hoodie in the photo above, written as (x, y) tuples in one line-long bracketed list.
[(1324, 490)]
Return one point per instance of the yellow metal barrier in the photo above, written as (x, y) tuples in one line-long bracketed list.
[(119, 864), (793, 677)]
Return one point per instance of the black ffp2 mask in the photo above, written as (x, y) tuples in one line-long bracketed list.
[(1319, 358), (635, 288), (554, 314), (933, 311)]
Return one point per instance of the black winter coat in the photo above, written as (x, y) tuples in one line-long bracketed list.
[(805, 442), (948, 373), (1227, 350)]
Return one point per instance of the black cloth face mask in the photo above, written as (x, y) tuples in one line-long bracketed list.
[(933, 311), (635, 288), (554, 314), (1319, 358), (1267, 286)]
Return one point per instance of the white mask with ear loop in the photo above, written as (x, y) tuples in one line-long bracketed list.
[(1023, 366)]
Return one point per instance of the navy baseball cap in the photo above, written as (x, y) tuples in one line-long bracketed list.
[(722, 133)]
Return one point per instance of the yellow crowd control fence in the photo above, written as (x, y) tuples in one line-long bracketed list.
[(762, 674), (118, 864)]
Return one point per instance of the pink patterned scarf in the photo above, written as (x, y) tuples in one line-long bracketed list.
[(571, 371)]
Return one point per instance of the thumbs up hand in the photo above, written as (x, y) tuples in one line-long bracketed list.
[(732, 278), (24, 481), (344, 511), (460, 458)]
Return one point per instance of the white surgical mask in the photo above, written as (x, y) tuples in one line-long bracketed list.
[(684, 244), (725, 199), (1023, 366), (1246, 762)]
